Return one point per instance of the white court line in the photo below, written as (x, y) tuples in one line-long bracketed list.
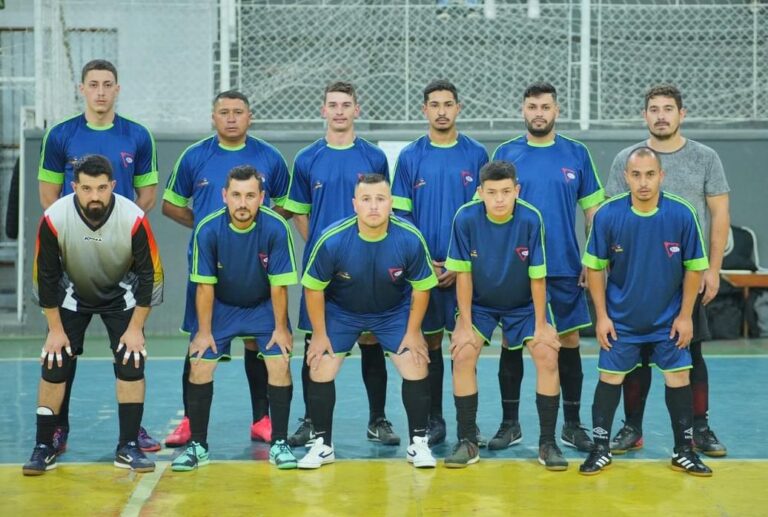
[(143, 490)]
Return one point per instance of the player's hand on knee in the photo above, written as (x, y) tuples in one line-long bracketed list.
[(56, 343), (682, 327), (417, 345), (546, 335), (282, 337), (604, 330), (319, 345), (200, 343), (132, 345)]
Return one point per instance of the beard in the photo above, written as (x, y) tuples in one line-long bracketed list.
[(664, 136), (539, 131), (242, 215), (95, 211)]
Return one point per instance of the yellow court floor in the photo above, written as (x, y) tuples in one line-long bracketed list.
[(389, 488)]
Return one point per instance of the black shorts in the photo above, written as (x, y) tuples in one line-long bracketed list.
[(76, 323)]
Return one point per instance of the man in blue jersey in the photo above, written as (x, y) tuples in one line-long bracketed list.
[(128, 146), (435, 175), (239, 294), (556, 175), (369, 272), (694, 172), (652, 245), (322, 184), (198, 177), (497, 252)]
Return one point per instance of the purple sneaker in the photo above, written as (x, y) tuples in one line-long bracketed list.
[(60, 436), (146, 442)]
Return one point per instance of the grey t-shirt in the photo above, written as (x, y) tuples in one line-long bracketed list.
[(693, 172)]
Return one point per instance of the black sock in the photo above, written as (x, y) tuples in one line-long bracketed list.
[(129, 415), (636, 386), (547, 406), (185, 384), (680, 406), (435, 374), (604, 406), (416, 402), (280, 403), (46, 426), (63, 420), (199, 398), (305, 376), (322, 400), (510, 379), (571, 378), (375, 378), (699, 386), (466, 417), (256, 372)]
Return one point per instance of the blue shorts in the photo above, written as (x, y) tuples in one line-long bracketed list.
[(517, 325), (624, 357), (304, 324), (343, 327), (230, 322), (441, 311), (569, 303)]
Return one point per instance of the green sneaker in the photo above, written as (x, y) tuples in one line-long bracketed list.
[(281, 455), (465, 453), (195, 455)]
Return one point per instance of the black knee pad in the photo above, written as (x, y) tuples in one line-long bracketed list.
[(57, 374), (128, 372)]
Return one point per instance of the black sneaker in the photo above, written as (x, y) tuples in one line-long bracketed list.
[(130, 456), (551, 457), (629, 438), (436, 431), (705, 441), (685, 460), (43, 458), (575, 435), (380, 430), (509, 434), (598, 459), (304, 435), (464, 453), (480, 440)]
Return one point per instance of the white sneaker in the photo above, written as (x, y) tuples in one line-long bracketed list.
[(317, 456), (419, 454)]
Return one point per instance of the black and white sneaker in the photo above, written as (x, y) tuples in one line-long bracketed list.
[(685, 460), (436, 430), (552, 457), (43, 458), (575, 435), (380, 430), (509, 434), (598, 459)]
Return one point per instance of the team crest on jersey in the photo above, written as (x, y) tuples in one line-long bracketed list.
[(616, 248), (672, 248), (264, 259), (202, 183), (317, 185), (419, 183), (344, 275), (395, 273), (126, 158), (569, 174), (522, 253), (466, 178), (473, 253)]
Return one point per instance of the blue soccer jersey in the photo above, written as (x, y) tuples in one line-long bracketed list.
[(128, 145), (502, 256), (324, 179), (201, 172), (432, 181), (243, 279), (369, 277), (647, 255), (555, 178)]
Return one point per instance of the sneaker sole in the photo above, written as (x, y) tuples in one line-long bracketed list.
[(451, 465), (393, 443), (285, 466), (35, 472), (553, 468), (261, 439), (619, 452), (424, 464), (313, 466), (712, 454), (686, 471), (492, 447), (141, 470), (174, 444), (153, 448)]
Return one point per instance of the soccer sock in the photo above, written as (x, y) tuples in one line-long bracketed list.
[(322, 400), (571, 378), (305, 377), (416, 402), (185, 384), (129, 415), (374, 369), (547, 406), (256, 372), (466, 417), (604, 406), (280, 403), (199, 398), (680, 406), (46, 426), (63, 420), (436, 372), (636, 386), (510, 379), (699, 386)]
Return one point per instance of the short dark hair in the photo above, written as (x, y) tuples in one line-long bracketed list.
[(340, 86), (93, 165), (244, 173), (641, 152), (438, 86), (540, 88), (498, 170), (232, 94), (98, 64), (372, 178), (664, 90)]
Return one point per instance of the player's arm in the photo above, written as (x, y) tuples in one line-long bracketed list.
[(301, 223), (49, 193), (181, 214), (146, 197), (544, 333), (320, 344), (413, 340), (604, 325), (50, 173), (48, 274), (682, 327), (464, 334), (132, 339), (203, 338), (720, 222), (285, 214), (589, 214), (281, 336)]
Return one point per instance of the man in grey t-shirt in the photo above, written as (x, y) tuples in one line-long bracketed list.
[(694, 172)]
